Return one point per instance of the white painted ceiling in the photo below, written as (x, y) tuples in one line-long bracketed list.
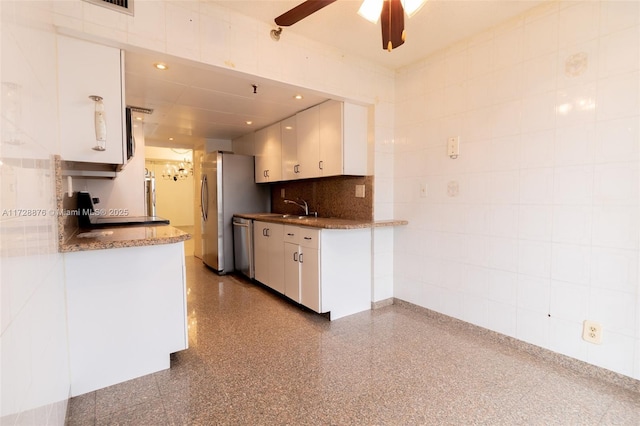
[(193, 102)]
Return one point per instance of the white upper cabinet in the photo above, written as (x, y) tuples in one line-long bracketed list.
[(290, 165), (268, 154), (329, 139), (308, 122), (332, 140), (343, 139), (88, 69)]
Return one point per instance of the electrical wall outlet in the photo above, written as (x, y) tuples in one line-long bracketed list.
[(453, 188), (592, 332), (359, 191)]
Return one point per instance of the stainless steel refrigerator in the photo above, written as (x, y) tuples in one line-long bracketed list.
[(227, 187), (150, 193)]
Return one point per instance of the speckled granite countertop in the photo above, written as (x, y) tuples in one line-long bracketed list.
[(118, 237), (319, 222)]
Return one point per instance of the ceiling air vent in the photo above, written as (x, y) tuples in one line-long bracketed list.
[(141, 110), (124, 6)]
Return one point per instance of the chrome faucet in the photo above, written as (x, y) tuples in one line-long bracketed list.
[(303, 206)]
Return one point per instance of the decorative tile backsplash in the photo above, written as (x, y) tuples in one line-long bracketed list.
[(330, 197)]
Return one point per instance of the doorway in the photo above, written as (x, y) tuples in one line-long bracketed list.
[(172, 171)]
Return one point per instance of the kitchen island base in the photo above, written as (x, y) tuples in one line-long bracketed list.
[(126, 313)]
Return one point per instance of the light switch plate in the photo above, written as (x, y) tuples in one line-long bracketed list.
[(359, 191)]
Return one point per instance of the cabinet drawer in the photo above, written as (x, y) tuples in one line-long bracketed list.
[(309, 237), (292, 234)]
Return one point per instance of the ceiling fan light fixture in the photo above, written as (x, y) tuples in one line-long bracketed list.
[(370, 10), (411, 7)]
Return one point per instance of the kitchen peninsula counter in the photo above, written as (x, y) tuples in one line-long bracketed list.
[(319, 222), (120, 237), (126, 302)]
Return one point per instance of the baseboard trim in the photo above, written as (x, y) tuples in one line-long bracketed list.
[(382, 303), (575, 365)]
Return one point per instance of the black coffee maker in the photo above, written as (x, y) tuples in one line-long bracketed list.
[(86, 208)]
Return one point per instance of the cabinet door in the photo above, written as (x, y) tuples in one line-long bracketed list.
[(260, 143), (308, 141), (292, 271), (268, 154), (309, 259), (290, 166), (276, 257), (86, 69), (261, 251), (331, 140), (274, 153)]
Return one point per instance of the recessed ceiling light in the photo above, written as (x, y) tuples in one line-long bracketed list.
[(288, 127), (161, 66), (298, 97), (170, 139), (249, 122), (139, 118)]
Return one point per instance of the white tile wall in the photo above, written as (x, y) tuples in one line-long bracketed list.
[(543, 230), (35, 373)]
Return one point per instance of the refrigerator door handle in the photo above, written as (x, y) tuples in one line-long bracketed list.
[(204, 197)]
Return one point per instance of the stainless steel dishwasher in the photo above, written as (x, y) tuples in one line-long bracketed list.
[(243, 246)]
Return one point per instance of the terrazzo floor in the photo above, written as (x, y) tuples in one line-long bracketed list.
[(255, 359)]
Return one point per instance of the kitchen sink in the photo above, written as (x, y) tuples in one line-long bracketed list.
[(286, 216)]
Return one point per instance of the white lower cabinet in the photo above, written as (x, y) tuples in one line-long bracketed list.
[(292, 271), (310, 279), (309, 259), (302, 266), (269, 254), (325, 270)]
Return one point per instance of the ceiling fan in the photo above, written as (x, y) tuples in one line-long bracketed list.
[(389, 12)]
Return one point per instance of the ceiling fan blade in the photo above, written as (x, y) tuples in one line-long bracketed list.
[(392, 21), (301, 11)]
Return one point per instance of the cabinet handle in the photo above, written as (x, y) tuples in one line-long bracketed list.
[(290, 234), (295, 256), (268, 232), (300, 258), (265, 232), (321, 165), (264, 173), (296, 168), (308, 238)]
